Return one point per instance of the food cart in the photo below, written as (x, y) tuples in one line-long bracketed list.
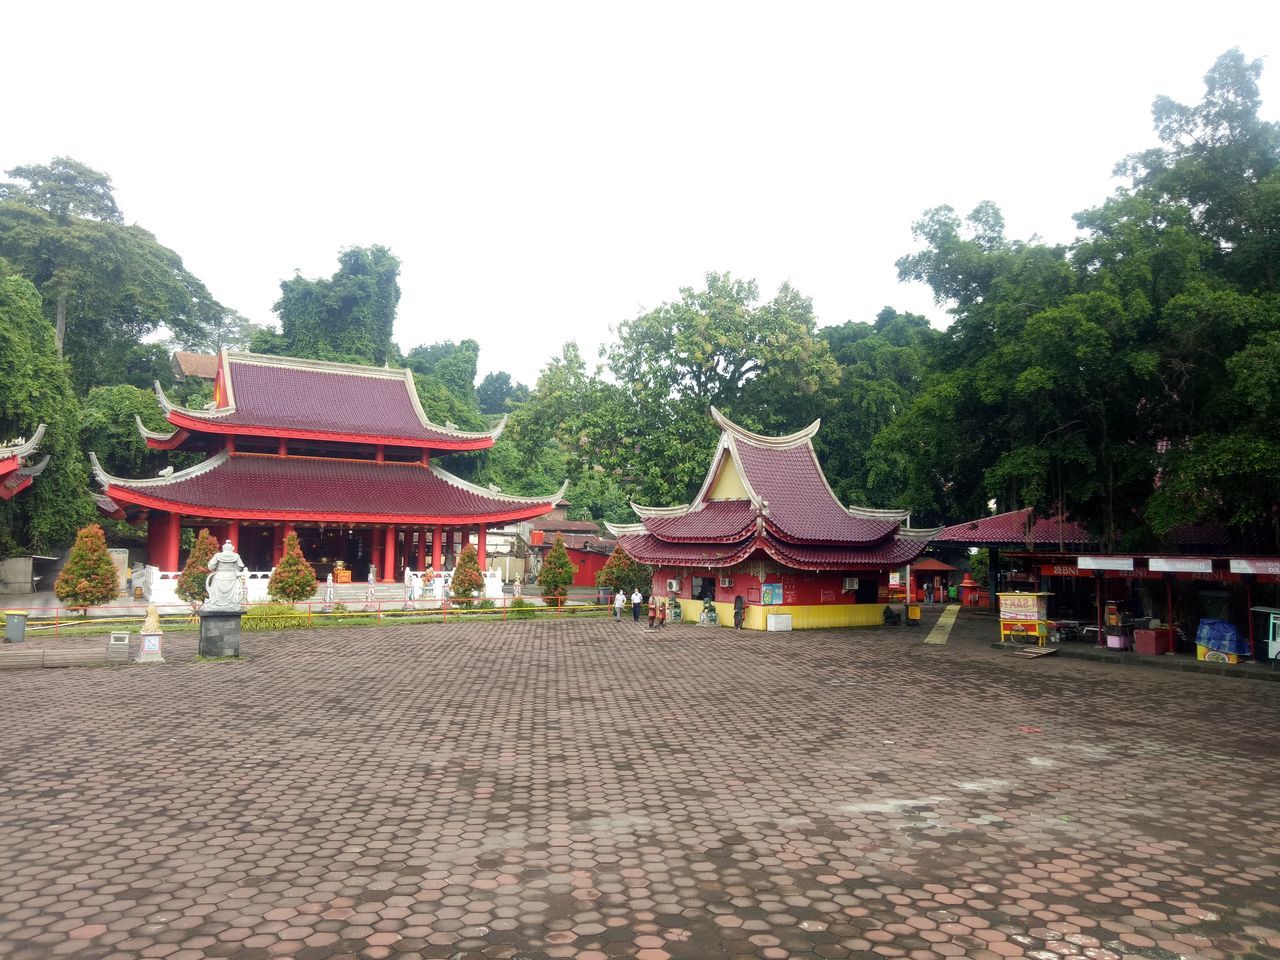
[(1024, 617)]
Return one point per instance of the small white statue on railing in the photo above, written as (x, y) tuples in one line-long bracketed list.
[(223, 581)]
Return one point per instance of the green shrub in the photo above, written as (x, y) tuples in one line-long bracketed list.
[(274, 616), (485, 604), (522, 610)]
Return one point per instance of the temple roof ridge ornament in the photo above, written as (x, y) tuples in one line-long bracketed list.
[(24, 448), (624, 529), (759, 439), (676, 511)]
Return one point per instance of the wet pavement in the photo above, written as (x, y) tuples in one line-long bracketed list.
[(590, 790)]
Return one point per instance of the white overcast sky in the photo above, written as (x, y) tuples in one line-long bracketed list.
[(546, 170)]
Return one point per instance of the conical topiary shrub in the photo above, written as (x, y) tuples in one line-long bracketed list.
[(192, 579), (557, 573), (623, 573), (468, 581), (89, 577), (293, 579)]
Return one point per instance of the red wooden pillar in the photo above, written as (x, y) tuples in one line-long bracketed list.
[(437, 535), (282, 447), (481, 544), (233, 533), (173, 542), (375, 549), (389, 555), (422, 548), (284, 535), (155, 536)]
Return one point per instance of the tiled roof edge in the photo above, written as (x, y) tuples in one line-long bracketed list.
[(24, 449), (461, 484), (107, 479), (153, 434)]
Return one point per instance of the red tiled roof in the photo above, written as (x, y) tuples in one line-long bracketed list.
[(1207, 534), (252, 486), (322, 400), (929, 563), (891, 553), (648, 549), (1010, 530), (719, 521), (801, 506), (203, 366)]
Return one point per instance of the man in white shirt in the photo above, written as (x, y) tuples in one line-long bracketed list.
[(637, 602), (619, 602)]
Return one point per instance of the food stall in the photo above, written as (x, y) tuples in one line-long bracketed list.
[(1024, 617)]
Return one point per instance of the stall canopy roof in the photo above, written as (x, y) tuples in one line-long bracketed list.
[(1017, 528)]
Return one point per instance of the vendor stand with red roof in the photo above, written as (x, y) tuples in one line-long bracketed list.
[(339, 453), (766, 526)]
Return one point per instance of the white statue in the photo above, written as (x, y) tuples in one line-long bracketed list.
[(223, 582)]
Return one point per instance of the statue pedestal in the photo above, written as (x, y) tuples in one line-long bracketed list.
[(220, 632), (150, 649)]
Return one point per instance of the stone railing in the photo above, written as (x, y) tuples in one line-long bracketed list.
[(161, 586)]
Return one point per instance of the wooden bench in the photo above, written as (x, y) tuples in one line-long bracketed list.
[(21, 659)]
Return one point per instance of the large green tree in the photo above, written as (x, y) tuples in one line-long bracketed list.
[(35, 388), (106, 285), (348, 317)]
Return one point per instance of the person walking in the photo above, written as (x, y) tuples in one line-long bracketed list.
[(928, 591), (636, 601), (619, 601)]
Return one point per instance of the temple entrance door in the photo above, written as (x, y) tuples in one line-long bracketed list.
[(255, 546), (324, 548)]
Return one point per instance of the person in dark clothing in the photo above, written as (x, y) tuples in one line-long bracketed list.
[(739, 612)]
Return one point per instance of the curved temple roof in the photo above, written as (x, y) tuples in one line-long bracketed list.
[(16, 473), (258, 486), (314, 399)]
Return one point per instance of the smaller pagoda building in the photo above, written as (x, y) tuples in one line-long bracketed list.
[(17, 467), (766, 527), (338, 453)]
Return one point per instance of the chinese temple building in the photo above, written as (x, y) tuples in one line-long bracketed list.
[(766, 526), (338, 453), (16, 469)]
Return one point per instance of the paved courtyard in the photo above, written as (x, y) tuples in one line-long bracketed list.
[(588, 790)]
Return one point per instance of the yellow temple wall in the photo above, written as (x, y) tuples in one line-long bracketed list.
[(803, 616)]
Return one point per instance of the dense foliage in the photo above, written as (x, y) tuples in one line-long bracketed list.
[(88, 578), (347, 317), (191, 582), (293, 579), (35, 388)]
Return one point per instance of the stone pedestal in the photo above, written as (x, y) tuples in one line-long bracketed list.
[(151, 648), (220, 632)]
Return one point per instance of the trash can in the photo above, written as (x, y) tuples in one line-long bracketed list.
[(15, 626)]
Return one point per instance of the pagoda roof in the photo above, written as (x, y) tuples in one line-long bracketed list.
[(202, 366), (251, 486), (1016, 528), (317, 400), (648, 549), (778, 486)]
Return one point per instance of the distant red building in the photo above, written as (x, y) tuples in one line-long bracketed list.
[(339, 453), (766, 527), (588, 551)]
